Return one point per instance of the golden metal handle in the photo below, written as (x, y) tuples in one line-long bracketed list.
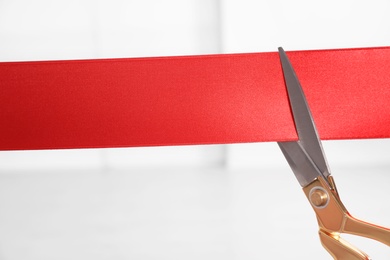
[(360, 228), (339, 248), (333, 219)]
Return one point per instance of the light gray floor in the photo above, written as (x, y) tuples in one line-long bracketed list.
[(178, 213)]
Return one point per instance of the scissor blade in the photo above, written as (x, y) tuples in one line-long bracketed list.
[(300, 163), (304, 123)]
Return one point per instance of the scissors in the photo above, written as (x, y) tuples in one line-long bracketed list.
[(307, 160)]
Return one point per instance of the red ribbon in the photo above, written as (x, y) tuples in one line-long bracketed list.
[(208, 99)]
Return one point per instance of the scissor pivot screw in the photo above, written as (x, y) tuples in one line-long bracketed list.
[(319, 197)]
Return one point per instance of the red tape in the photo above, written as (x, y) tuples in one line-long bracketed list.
[(209, 99)]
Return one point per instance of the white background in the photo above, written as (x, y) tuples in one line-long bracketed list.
[(212, 202)]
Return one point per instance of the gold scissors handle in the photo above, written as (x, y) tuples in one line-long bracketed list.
[(334, 219), (339, 248)]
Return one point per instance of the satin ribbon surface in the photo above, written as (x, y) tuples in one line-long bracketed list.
[(208, 99)]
